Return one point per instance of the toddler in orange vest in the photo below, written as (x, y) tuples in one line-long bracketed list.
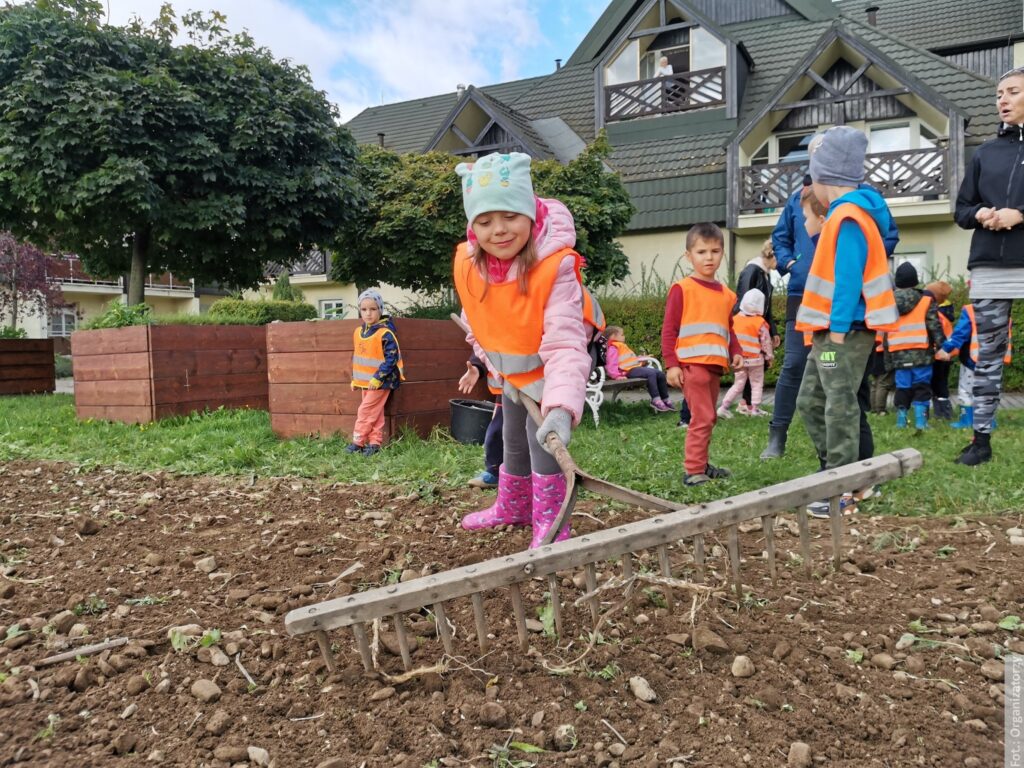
[(518, 279), (697, 345), (376, 370), (623, 363), (756, 347)]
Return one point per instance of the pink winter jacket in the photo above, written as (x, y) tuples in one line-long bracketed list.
[(563, 346)]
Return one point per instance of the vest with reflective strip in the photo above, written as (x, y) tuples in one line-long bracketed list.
[(975, 346), (748, 330), (368, 355), (880, 311), (704, 326), (947, 331), (627, 357), (879, 341), (912, 331), (508, 324), (592, 312)]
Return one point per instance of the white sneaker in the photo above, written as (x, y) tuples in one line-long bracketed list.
[(724, 413)]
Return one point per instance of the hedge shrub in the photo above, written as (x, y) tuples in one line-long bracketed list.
[(261, 312)]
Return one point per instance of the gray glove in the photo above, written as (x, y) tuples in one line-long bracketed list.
[(558, 421)]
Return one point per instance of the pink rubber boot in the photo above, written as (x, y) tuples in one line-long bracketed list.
[(511, 507), (548, 494)]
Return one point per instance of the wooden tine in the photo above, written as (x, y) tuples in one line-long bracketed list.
[(325, 649), (835, 518), (590, 573), (768, 526), (666, 570), (627, 565), (403, 641), (805, 539), (556, 603), (443, 629), (364, 646), (480, 619), (698, 556), (734, 560), (520, 614)]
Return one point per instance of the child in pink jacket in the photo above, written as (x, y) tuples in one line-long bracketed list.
[(519, 283), (621, 362)]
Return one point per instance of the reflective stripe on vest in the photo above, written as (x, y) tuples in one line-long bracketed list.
[(947, 331), (815, 310), (508, 324), (912, 330), (700, 339), (748, 332), (494, 385), (368, 356), (592, 312), (976, 347), (879, 342), (628, 359)]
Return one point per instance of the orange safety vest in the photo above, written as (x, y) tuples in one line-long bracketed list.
[(704, 326), (975, 346), (368, 356), (592, 312), (880, 311), (947, 331), (628, 359), (508, 324), (879, 341), (748, 329), (912, 330)]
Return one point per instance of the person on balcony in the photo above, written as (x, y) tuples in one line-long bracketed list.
[(990, 202), (664, 68), (794, 251)]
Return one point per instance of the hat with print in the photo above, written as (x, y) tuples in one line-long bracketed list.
[(497, 182)]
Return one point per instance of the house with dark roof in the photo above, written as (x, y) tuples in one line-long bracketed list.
[(709, 106)]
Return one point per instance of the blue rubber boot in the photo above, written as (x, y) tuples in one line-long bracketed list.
[(901, 418), (920, 415), (966, 420)]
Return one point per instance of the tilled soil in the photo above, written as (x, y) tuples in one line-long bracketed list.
[(894, 660)]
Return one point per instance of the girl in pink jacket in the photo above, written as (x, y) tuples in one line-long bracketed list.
[(519, 283)]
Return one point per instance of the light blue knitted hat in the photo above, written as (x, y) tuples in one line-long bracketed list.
[(497, 182)]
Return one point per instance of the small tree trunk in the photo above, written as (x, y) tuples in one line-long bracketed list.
[(137, 277)]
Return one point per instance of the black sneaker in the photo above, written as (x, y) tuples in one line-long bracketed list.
[(692, 480), (717, 473), (353, 448), (978, 452), (371, 449)]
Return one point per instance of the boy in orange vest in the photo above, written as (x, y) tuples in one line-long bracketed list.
[(697, 344), (376, 370), (848, 296)]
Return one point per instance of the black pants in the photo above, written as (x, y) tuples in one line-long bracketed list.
[(657, 384), (494, 446), (940, 379)]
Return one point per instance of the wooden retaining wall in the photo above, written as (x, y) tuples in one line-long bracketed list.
[(148, 372), (26, 366), (310, 368)]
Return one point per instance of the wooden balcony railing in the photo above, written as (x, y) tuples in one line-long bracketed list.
[(313, 263), (920, 173), (68, 271), (663, 95)]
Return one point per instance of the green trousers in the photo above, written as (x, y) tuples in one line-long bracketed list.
[(828, 395)]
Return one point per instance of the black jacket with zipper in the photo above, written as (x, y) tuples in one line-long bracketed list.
[(995, 179)]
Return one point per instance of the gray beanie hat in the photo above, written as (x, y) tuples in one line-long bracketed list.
[(837, 156)]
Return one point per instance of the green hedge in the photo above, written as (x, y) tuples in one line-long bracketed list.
[(261, 312)]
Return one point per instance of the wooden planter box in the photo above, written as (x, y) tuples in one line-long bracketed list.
[(147, 372), (310, 369), (26, 366)]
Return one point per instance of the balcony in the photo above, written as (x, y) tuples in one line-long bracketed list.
[(922, 174), (313, 263), (665, 95), (68, 272)]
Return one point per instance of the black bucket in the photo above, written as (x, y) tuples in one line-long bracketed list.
[(470, 419)]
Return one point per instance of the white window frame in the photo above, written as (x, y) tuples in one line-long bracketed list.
[(64, 314), (327, 305)]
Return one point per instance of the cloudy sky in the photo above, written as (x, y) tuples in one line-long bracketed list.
[(365, 53)]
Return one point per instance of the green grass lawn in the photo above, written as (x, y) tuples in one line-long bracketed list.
[(633, 447)]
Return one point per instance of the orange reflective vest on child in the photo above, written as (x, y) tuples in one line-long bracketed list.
[(592, 313), (880, 312), (748, 332), (509, 325), (911, 330), (368, 356), (947, 331), (704, 326), (975, 347), (628, 359)]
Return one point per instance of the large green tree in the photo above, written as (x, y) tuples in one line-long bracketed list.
[(207, 159), (407, 234)]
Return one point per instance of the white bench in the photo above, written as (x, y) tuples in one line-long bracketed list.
[(599, 384)]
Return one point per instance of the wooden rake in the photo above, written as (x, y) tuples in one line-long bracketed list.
[(672, 527)]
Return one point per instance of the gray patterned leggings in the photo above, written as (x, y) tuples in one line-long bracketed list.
[(993, 319)]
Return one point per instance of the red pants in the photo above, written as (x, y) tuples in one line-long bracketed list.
[(369, 428), (700, 388)]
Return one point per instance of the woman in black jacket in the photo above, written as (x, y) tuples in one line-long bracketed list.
[(991, 202)]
